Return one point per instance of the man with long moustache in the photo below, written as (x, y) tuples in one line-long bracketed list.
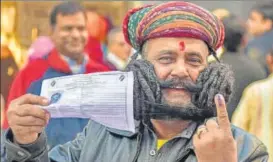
[(176, 95)]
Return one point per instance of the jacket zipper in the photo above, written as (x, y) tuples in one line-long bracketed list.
[(139, 138), (138, 147)]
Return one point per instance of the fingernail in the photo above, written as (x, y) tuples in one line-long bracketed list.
[(220, 99)]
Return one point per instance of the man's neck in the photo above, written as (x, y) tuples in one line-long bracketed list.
[(78, 60), (167, 129)]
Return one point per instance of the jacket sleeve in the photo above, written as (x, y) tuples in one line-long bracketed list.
[(70, 151), (259, 155), (37, 152)]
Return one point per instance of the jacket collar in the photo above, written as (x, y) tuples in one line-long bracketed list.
[(56, 62), (187, 133), (126, 133)]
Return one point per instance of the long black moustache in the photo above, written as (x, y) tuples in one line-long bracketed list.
[(189, 112), (186, 112), (148, 103), (181, 83)]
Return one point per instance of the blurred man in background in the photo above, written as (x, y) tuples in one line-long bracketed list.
[(69, 34), (260, 26), (119, 50), (245, 70), (255, 110), (2, 155), (2, 110), (9, 70)]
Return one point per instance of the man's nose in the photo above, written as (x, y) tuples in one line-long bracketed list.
[(75, 32), (180, 70)]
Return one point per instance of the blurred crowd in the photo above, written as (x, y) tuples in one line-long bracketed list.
[(86, 43)]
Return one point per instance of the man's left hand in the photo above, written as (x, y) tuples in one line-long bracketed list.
[(213, 141)]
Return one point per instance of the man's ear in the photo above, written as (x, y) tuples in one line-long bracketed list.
[(51, 30), (269, 58), (269, 24)]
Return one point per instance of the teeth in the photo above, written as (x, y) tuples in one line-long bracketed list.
[(177, 87)]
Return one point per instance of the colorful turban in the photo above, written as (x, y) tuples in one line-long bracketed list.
[(172, 19)]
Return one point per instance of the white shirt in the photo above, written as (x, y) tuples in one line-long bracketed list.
[(116, 61)]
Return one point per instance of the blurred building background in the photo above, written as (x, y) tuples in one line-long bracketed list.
[(23, 21)]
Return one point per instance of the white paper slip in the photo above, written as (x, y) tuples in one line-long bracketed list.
[(105, 97)]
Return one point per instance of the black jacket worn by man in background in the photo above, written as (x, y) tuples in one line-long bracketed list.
[(246, 71)]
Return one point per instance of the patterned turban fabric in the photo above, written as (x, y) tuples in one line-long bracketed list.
[(172, 19)]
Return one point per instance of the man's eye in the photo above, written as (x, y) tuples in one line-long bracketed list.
[(81, 28), (195, 61), (67, 28), (166, 60)]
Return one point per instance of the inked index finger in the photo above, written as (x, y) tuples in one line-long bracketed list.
[(222, 114)]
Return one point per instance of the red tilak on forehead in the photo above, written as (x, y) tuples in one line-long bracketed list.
[(182, 45)]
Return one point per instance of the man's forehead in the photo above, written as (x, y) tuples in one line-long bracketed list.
[(181, 44), (119, 36), (71, 18), (256, 14)]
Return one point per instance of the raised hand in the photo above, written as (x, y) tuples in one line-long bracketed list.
[(26, 119), (213, 141)]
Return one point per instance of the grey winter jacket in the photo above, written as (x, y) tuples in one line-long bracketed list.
[(98, 143)]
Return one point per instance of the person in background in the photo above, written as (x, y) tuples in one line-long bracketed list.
[(97, 25), (97, 28), (2, 108), (260, 27), (69, 35), (40, 47), (9, 70), (245, 70), (119, 50), (255, 110)]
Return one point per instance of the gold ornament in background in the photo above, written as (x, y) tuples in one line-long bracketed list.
[(10, 71), (34, 34), (8, 36)]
